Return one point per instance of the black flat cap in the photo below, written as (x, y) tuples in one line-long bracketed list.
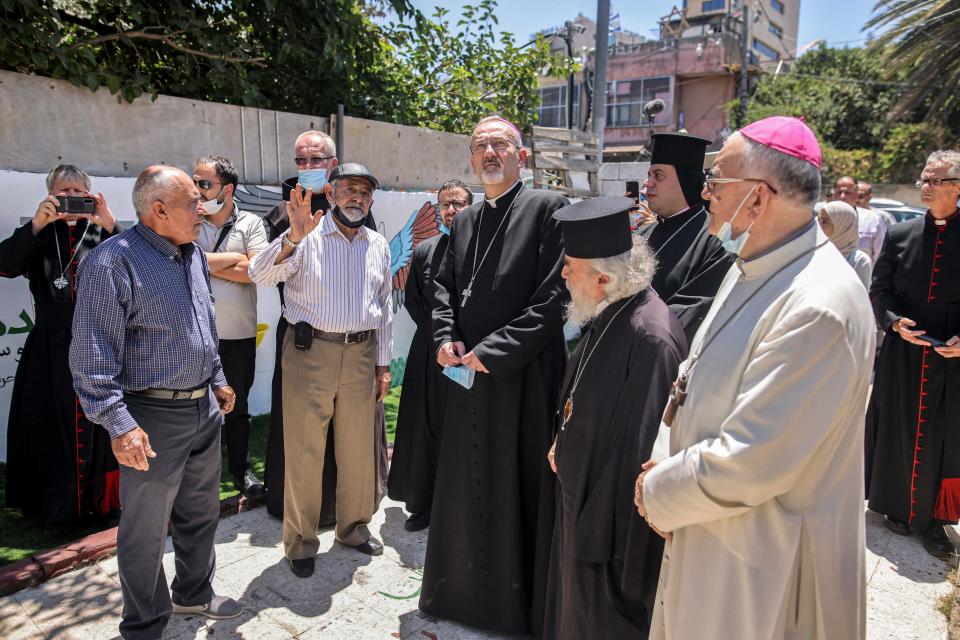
[(353, 170), (679, 150), (596, 227)]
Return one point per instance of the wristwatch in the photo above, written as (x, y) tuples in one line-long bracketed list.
[(287, 241)]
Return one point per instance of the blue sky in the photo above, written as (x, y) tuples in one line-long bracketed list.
[(818, 18)]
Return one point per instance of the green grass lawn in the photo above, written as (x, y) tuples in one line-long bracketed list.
[(22, 536)]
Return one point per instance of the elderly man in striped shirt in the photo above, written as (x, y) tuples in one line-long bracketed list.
[(145, 366), (336, 275)]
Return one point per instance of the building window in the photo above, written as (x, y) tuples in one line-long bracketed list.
[(713, 5), (766, 50), (777, 5), (553, 106), (775, 30), (625, 100)]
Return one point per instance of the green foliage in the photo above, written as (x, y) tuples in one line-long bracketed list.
[(847, 96), (297, 55)]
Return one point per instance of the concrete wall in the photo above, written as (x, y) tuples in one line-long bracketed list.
[(44, 122), (408, 157), (613, 176)]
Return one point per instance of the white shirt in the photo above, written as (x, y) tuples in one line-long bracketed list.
[(235, 302), (334, 284), (872, 231)]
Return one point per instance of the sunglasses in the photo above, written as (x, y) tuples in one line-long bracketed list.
[(205, 184), (313, 160)]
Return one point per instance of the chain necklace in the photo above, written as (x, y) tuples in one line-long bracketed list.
[(582, 366), (60, 282), (476, 267)]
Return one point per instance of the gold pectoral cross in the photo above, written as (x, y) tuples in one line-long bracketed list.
[(678, 393), (567, 413)]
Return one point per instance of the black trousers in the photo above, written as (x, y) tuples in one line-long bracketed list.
[(239, 359), (180, 490)]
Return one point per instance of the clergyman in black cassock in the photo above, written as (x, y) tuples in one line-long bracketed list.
[(691, 262), (912, 443), (605, 560), (413, 468), (491, 519), (276, 224), (60, 467)]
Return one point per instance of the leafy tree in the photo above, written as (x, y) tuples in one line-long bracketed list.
[(304, 56), (922, 43)]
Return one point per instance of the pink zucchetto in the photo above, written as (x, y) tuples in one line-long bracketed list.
[(787, 135)]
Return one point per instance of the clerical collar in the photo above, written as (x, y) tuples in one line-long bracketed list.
[(942, 222), (677, 216), (804, 239), (493, 201)]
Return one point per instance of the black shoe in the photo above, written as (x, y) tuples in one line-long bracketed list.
[(250, 486), (936, 543), (418, 521), (302, 568), (371, 547), (899, 527)]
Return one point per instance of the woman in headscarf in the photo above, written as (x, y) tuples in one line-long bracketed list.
[(839, 222)]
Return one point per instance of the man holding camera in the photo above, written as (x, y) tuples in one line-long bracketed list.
[(59, 466), (231, 238), (335, 357)]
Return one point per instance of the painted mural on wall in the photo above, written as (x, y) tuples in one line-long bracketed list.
[(405, 218)]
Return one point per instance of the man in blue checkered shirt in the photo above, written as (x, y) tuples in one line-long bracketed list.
[(145, 366)]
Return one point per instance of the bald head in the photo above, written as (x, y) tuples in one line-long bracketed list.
[(168, 202), (845, 189), (152, 185)]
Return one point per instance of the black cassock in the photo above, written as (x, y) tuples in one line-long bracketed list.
[(276, 224), (60, 467), (413, 468), (492, 516), (605, 560), (912, 439), (691, 265)]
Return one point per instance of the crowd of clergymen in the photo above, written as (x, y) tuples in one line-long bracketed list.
[(696, 468)]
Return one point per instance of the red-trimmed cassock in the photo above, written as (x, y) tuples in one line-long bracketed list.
[(60, 467), (913, 419)]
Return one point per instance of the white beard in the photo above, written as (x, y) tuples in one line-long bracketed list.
[(493, 175), (579, 312), (353, 214)]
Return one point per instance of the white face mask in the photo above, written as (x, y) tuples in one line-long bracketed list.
[(725, 234), (213, 207)]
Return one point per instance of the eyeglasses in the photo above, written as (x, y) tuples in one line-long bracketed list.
[(313, 160), (205, 184), (499, 145), (453, 204), (712, 183), (933, 182)]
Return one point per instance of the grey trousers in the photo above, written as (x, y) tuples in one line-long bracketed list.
[(180, 488)]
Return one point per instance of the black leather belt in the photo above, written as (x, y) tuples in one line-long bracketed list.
[(173, 394), (343, 338)]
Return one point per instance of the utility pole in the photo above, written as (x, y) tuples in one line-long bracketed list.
[(569, 40), (744, 64), (600, 74)]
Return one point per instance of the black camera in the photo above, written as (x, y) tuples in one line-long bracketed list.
[(77, 204)]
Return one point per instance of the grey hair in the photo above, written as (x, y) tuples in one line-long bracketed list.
[(152, 183), (67, 172), (328, 142), (796, 179), (948, 157), (630, 272)]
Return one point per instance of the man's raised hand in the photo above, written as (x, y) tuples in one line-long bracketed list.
[(302, 221)]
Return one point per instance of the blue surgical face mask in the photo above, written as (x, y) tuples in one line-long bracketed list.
[(725, 234), (315, 179), (444, 229)]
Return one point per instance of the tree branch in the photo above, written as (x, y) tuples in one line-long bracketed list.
[(167, 39)]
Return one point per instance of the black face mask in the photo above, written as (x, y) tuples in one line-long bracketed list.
[(342, 218)]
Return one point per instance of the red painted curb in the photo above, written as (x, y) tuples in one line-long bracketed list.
[(20, 575)]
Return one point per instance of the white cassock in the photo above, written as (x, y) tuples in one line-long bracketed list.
[(763, 488)]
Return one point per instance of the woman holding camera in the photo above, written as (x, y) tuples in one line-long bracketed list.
[(60, 468)]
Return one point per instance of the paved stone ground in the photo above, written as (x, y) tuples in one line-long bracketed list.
[(356, 597)]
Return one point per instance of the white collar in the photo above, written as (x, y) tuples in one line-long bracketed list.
[(493, 201)]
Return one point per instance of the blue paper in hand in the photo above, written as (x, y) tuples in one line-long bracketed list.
[(460, 374)]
